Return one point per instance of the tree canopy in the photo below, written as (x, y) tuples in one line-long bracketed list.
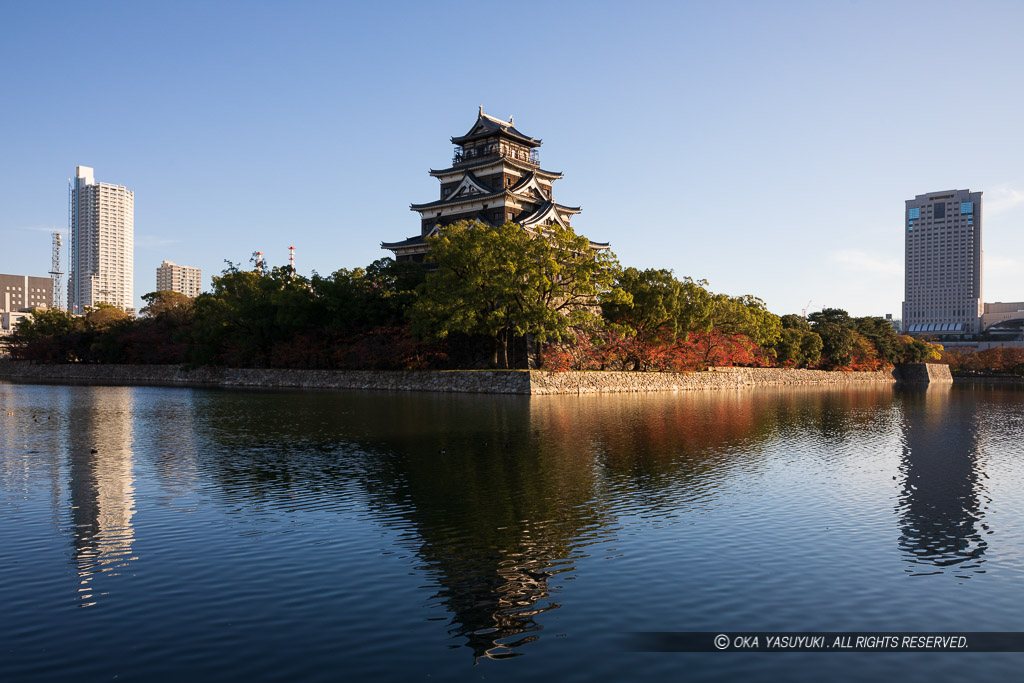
[(505, 282), (485, 296), (657, 305)]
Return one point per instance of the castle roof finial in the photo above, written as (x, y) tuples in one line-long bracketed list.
[(510, 121), (481, 110)]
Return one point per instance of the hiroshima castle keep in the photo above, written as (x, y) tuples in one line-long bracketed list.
[(495, 178)]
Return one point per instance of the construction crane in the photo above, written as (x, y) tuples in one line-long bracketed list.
[(804, 312)]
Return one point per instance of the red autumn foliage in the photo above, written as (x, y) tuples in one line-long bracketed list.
[(614, 351), (864, 357), (1000, 360)]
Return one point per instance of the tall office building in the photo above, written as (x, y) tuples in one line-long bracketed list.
[(943, 263), (102, 218), (175, 278)]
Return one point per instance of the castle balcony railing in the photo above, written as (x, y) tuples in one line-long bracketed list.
[(462, 156)]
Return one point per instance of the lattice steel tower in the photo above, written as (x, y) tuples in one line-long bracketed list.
[(56, 274)]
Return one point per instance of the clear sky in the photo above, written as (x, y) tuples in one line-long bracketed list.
[(766, 147)]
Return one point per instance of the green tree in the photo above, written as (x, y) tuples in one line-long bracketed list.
[(746, 315), (658, 306), (105, 316), (360, 299), (810, 348), (798, 347), (105, 327), (507, 282), (882, 336), (247, 313), (836, 316), (169, 304), (837, 344), (46, 336), (46, 322), (918, 350), (791, 321)]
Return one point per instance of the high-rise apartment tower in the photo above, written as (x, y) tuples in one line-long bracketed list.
[(943, 263), (175, 278), (102, 218)]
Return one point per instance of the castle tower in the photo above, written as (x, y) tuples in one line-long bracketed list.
[(495, 177)]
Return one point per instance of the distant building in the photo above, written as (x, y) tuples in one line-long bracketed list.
[(102, 255), (943, 263), (9, 320), (1004, 318), (24, 292), (19, 294), (495, 177), (184, 279)]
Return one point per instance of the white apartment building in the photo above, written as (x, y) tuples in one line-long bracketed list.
[(943, 263), (184, 279), (102, 218)]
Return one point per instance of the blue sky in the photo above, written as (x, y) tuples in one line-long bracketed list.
[(766, 147)]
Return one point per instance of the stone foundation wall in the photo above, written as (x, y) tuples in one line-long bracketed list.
[(926, 373), (463, 381), (496, 382), (716, 378)]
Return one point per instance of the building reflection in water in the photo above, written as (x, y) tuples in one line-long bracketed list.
[(101, 488), (942, 498), (505, 516)]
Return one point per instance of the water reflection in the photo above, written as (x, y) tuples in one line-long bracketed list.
[(499, 522), (286, 523), (101, 485), (940, 504), (494, 516), (506, 505), (500, 498)]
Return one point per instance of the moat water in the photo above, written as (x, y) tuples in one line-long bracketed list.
[(168, 533)]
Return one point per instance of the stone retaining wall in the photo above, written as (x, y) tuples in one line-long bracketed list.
[(926, 373), (499, 382), (496, 382), (717, 378)]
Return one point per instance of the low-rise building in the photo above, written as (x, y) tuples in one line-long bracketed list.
[(1003, 318), (24, 292), (10, 319), (183, 279)]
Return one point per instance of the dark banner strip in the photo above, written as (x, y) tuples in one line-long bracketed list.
[(820, 641)]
